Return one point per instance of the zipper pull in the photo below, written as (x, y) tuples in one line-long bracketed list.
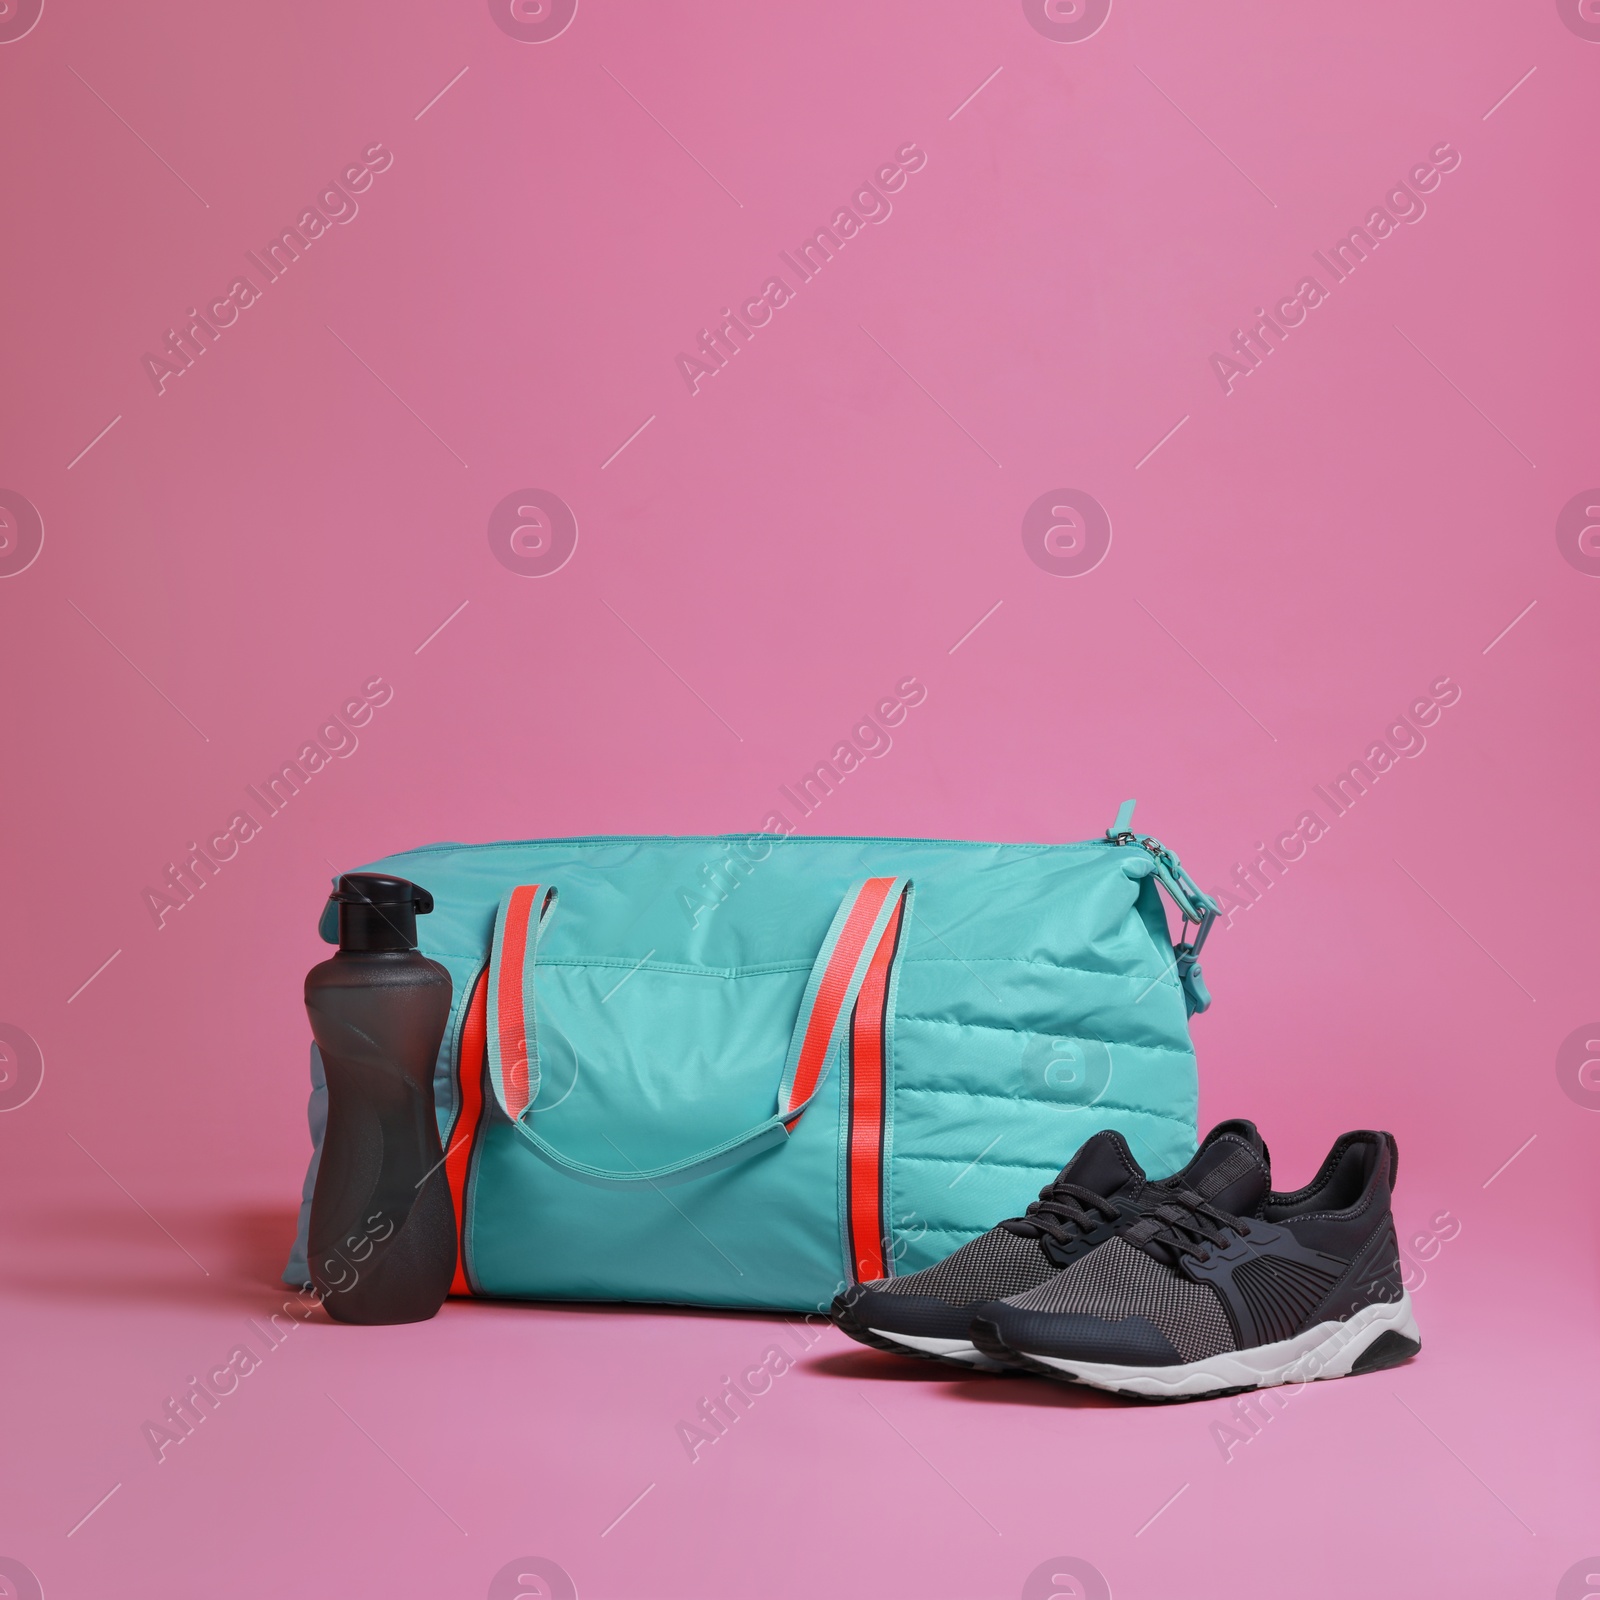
[(1196, 997), (1194, 906), (1121, 831), (1192, 901)]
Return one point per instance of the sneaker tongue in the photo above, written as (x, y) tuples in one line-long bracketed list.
[(1232, 1172), (1105, 1165)]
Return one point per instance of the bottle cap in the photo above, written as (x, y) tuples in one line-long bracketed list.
[(377, 912)]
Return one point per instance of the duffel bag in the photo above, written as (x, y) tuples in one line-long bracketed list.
[(749, 1070)]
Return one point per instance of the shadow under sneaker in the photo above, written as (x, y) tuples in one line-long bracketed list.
[(1245, 1290), (1099, 1192)]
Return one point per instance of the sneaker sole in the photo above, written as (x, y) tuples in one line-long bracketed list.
[(1377, 1336), (953, 1352)]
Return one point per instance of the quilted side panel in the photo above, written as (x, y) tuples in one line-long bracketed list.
[(1021, 1032)]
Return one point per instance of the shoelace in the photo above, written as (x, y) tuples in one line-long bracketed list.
[(1188, 1225), (1063, 1211)]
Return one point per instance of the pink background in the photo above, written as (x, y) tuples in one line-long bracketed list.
[(836, 509)]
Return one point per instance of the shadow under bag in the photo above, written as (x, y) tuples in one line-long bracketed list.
[(751, 1070)]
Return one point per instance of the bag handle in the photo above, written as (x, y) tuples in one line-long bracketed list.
[(820, 1029)]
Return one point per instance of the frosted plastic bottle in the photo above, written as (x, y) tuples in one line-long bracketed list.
[(383, 1233)]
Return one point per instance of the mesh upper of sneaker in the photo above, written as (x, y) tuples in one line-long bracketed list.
[(994, 1266), (1116, 1281), (1010, 1259)]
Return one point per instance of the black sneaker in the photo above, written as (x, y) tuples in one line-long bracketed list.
[(1201, 1298), (1101, 1190)]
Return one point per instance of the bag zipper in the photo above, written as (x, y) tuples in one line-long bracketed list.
[(1194, 905)]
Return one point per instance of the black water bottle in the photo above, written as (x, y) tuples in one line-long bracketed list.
[(383, 1235)]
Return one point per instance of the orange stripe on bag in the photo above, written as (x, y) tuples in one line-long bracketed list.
[(471, 1063), (508, 1002), (869, 1026), (835, 983)]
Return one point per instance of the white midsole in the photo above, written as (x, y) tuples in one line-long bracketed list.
[(951, 1349), (1328, 1350)]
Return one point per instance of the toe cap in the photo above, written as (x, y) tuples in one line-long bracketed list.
[(1133, 1342), (904, 1313)]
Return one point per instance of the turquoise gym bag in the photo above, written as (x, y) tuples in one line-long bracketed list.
[(751, 1069)]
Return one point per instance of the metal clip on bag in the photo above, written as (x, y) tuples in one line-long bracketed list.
[(746, 1070)]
